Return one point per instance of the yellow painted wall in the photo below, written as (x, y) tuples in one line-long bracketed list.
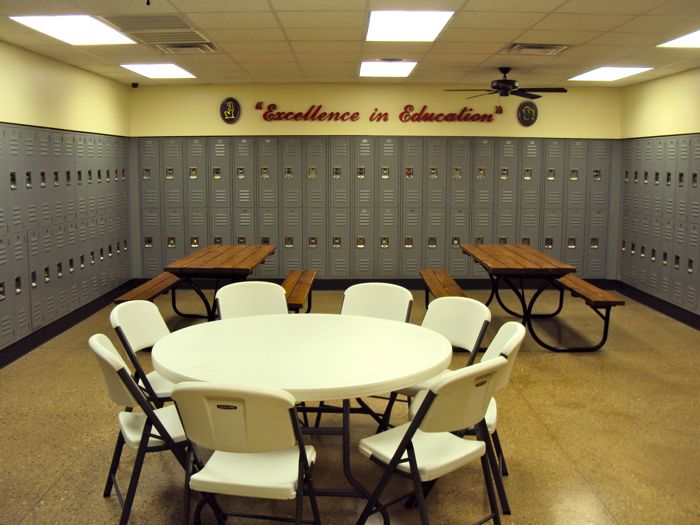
[(194, 110), (39, 91), (667, 106)]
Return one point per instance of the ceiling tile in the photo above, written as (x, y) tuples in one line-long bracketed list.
[(244, 35), (509, 6), (631, 7), (613, 38), (482, 20), (466, 47), (216, 6), (232, 21), (23, 7), (679, 25), (255, 47), (322, 34), (387, 49), (322, 19), (455, 34), (452, 58), (678, 7), (569, 38), (330, 47), (415, 5), (257, 65), (319, 56), (124, 7), (515, 61), (317, 5), (574, 22), (601, 52)]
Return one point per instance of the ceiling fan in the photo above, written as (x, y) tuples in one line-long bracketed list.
[(506, 87)]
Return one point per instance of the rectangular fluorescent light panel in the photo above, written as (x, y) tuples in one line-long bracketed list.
[(386, 69), (406, 26), (691, 40), (158, 70), (77, 30), (606, 74)]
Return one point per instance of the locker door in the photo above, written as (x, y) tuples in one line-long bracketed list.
[(596, 244), (316, 170), (678, 273), (576, 175), (645, 177), (458, 263), (149, 165), (152, 241), (506, 226), (411, 170), (7, 313), (365, 243), (483, 180), (268, 233), (316, 240), (197, 234), (21, 287), (220, 230), (599, 179), (268, 177), (220, 187), (529, 227), (340, 165), (692, 184), (4, 189), (669, 170), (689, 268), (292, 235), (243, 225), (81, 175), (682, 179), (174, 233), (483, 234), (340, 253), (552, 228), (666, 258), (173, 180), (436, 173), (60, 271), (554, 174), (196, 172), (411, 241), (388, 176), (460, 173), (388, 242), (18, 194), (658, 168), (291, 185), (435, 247), (507, 173), (364, 175), (530, 190), (627, 159)]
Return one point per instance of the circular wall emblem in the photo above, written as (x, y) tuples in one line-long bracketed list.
[(527, 113), (230, 110)]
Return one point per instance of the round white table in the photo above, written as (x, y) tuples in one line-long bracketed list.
[(314, 357)]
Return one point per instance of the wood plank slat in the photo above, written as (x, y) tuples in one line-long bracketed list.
[(517, 260), (440, 283), (151, 288), (297, 285), (594, 296)]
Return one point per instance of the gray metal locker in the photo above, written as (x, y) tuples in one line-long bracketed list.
[(554, 173), (31, 161), (316, 240), (220, 230), (220, 185), (506, 226), (173, 179), (292, 182), (60, 269), (197, 235), (268, 176), (576, 177), (435, 246), (458, 263), (4, 189), (291, 246), (645, 177), (81, 176), (339, 187), (411, 237), (196, 172), (483, 173), (18, 194), (435, 173), (387, 242), (339, 260), (596, 244), (627, 167), (7, 311), (529, 227), (692, 183), (316, 171), (364, 171), (388, 175), (20, 285), (552, 228), (268, 233), (411, 172), (668, 232), (599, 176), (482, 234), (151, 241), (460, 169), (678, 273), (71, 261), (149, 178), (507, 173), (669, 175), (682, 178), (70, 191), (244, 220), (173, 235), (689, 267), (364, 242), (530, 175)]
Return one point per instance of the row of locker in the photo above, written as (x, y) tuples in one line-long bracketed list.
[(368, 242), (351, 172), (661, 177)]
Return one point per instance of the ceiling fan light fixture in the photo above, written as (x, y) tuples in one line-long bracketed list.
[(406, 26), (609, 73), (689, 40)]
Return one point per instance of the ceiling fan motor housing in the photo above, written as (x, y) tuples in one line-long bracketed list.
[(504, 84)]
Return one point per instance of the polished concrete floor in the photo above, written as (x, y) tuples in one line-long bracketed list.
[(603, 438)]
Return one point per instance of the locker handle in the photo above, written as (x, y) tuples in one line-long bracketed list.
[(597, 175), (313, 242), (336, 172), (148, 242), (360, 172), (656, 178), (240, 240), (633, 248), (337, 242), (90, 176), (676, 262), (681, 176), (288, 173), (47, 274), (646, 177), (313, 173), (360, 242), (551, 174), (264, 173), (264, 240), (240, 173), (169, 174), (123, 174), (289, 242), (432, 173), (42, 179), (525, 241), (479, 240), (80, 177), (59, 270), (384, 173), (92, 257), (126, 246), (454, 243), (109, 250), (573, 175), (690, 265), (218, 240), (102, 254), (194, 242), (408, 174), (503, 240), (408, 242), (171, 242), (595, 244), (216, 173), (28, 180), (668, 178), (642, 251), (119, 247), (384, 242), (99, 176), (193, 173), (504, 174), (653, 254), (18, 285), (527, 174), (82, 261), (67, 177), (432, 243), (71, 265), (481, 173), (548, 243), (13, 180), (107, 175), (694, 180), (456, 173), (664, 258), (33, 279), (2, 291)]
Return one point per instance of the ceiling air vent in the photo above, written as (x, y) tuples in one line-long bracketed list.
[(537, 49), (188, 49)]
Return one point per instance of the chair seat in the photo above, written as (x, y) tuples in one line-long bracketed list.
[(413, 390), (437, 453), (161, 386), (132, 423), (270, 475)]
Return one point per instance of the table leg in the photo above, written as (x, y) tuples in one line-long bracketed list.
[(173, 302), (200, 293)]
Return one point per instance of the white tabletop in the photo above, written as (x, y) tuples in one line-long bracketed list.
[(314, 357)]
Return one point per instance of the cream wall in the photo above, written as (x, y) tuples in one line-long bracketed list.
[(667, 106), (194, 110), (39, 91)]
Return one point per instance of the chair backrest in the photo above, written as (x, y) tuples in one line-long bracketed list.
[(381, 300), (251, 298), (461, 320), (461, 398), (111, 363), (140, 323), (250, 419), (506, 343)]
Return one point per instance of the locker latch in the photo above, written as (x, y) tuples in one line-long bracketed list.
[(146, 174), (573, 174), (595, 244), (82, 261), (454, 243), (664, 258), (527, 174), (171, 242), (2, 291), (28, 180), (99, 175), (408, 242), (123, 174), (13, 181), (80, 177), (107, 175), (289, 242), (336, 242), (59, 269), (690, 265), (646, 177), (67, 177), (479, 240), (360, 172), (668, 178), (503, 240), (42, 179), (680, 179), (633, 248), (193, 173), (313, 173), (642, 252), (653, 254), (288, 173), (240, 172), (384, 242), (126, 246), (264, 240), (656, 178), (92, 257), (384, 172), (571, 243), (525, 241), (218, 240), (432, 173), (32, 278), (56, 181), (194, 242), (336, 172), (548, 243), (313, 242), (148, 242), (676, 262), (71, 265), (216, 173), (109, 250), (481, 173), (18, 285), (624, 246), (597, 176), (456, 173), (694, 180), (504, 174), (432, 242), (359, 242), (551, 174), (264, 173), (240, 240), (169, 173)]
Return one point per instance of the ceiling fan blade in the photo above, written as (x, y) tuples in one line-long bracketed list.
[(544, 90), (525, 94), (489, 93), (466, 90)]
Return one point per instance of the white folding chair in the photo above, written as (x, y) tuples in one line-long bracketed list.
[(250, 298), (426, 448), (258, 447), (151, 430), (381, 300), (139, 326)]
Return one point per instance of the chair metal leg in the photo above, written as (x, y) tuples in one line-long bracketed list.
[(490, 492), (118, 447), (417, 485), (135, 474), (499, 453), (483, 435), (386, 417)]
